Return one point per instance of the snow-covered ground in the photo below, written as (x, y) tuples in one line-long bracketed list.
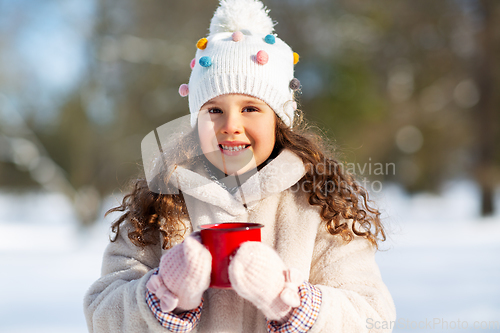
[(441, 261), (47, 264)]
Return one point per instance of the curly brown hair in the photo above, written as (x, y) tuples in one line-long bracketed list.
[(328, 185)]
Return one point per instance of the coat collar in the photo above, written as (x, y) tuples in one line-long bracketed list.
[(278, 175)]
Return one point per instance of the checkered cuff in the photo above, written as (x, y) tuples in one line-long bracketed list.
[(177, 323), (304, 316)]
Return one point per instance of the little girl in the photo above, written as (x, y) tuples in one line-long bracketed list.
[(248, 157)]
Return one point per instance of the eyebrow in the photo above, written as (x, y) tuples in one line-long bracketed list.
[(208, 104), (252, 101), (245, 101)]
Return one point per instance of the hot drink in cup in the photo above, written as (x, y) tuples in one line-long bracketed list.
[(222, 240)]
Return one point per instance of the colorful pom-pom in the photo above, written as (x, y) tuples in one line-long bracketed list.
[(295, 84), (238, 36), (205, 61), (295, 57), (202, 43), (193, 62), (262, 57), (184, 90), (270, 39)]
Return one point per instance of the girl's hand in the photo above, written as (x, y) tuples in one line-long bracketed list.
[(183, 276), (258, 274)]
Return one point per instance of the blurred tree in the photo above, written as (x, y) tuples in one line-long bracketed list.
[(488, 109), (404, 83)]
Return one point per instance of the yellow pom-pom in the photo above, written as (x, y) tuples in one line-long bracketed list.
[(295, 57), (202, 43)]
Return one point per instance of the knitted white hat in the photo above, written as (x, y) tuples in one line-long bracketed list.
[(241, 55)]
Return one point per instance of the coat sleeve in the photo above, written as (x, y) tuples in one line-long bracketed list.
[(354, 297), (116, 302)]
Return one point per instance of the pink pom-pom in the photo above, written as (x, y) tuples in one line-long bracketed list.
[(168, 301), (262, 57), (193, 62), (290, 296), (294, 105), (184, 90), (238, 36)]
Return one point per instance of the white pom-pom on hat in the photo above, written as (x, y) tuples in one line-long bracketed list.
[(241, 15), (242, 55)]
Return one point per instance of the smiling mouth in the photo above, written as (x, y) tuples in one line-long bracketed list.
[(233, 148)]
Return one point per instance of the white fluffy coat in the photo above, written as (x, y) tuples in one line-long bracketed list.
[(347, 274)]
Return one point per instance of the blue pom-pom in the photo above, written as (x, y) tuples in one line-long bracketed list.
[(205, 61), (270, 39)]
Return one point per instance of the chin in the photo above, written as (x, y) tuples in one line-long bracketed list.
[(238, 164), (238, 169)]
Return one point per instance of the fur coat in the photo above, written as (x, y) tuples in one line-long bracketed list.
[(353, 293)]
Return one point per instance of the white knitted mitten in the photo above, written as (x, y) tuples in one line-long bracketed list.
[(258, 274), (183, 276)]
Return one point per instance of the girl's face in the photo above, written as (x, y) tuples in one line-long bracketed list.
[(236, 132)]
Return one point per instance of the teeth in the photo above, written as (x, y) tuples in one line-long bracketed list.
[(233, 148)]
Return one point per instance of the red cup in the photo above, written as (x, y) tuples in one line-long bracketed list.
[(222, 240)]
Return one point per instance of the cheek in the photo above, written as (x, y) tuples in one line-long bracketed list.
[(206, 135), (205, 126), (268, 138), (271, 140)]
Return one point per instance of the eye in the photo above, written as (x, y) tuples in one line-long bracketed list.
[(250, 109), (214, 110)]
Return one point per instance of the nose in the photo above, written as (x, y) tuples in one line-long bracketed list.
[(232, 123)]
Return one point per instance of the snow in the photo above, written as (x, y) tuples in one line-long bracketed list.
[(440, 262), (48, 263)]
